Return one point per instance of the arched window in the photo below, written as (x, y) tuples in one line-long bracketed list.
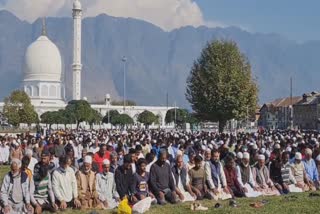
[(36, 91), (28, 90), (53, 91), (44, 91)]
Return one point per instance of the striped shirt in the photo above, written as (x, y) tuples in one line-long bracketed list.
[(41, 188)]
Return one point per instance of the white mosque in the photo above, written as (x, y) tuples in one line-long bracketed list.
[(43, 76)]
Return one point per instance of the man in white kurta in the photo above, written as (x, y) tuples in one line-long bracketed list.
[(106, 187), (245, 177)]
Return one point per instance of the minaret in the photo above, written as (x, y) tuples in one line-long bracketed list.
[(76, 66)]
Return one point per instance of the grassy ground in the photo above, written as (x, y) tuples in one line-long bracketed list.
[(282, 204)]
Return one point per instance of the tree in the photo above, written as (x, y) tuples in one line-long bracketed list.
[(220, 86), (95, 117), (79, 111), (18, 109), (122, 120), (147, 118), (47, 118), (112, 114), (179, 116)]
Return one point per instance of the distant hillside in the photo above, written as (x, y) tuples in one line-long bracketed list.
[(158, 62)]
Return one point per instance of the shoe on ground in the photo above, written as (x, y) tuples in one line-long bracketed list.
[(199, 207)]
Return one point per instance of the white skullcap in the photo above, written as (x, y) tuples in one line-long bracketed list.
[(106, 162), (203, 147), (246, 155), (28, 152), (277, 146), (239, 155), (261, 157), (262, 150), (70, 141), (298, 156), (288, 149), (318, 158), (208, 150), (16, 161), (87, 159), (308, 151), (254, 146)]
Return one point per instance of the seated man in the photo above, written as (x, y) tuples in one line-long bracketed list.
[(161, 180), (198, 180), (42, 197), (86, 180), (15, 192), (44, 162), (215, 177), (245, 177), (182, 181), (64, 185), (106, 187), (299, 173), (33, 161), (114, 161), (125, 180), (311, 170), (235, 189), (287, 182), (261, 177)]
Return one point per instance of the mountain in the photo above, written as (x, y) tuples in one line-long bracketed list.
[(158, 61)]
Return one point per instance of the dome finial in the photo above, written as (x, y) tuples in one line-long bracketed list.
[(44, 28)]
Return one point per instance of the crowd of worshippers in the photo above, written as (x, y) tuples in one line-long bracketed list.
[(99, 168)]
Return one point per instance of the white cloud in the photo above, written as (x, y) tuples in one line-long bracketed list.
[(167, 14)]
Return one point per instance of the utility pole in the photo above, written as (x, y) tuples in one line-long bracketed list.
[(124, 60), (291, 105)]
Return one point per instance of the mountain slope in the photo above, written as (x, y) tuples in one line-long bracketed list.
[(158, 61)]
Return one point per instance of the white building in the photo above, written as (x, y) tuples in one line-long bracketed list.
[(43, 76)]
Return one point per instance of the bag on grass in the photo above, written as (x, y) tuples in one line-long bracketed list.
[(142, 206), (124, 207)]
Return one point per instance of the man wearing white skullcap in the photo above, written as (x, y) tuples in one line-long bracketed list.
[(299, 172), (261, 176), (311, 169), (86, 180), (106, 187), (33, 161), (15, 192), (245, 177)]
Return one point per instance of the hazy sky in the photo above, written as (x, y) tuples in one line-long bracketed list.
[(294, 19)]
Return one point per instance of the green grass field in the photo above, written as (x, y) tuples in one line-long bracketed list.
[(302, 204)]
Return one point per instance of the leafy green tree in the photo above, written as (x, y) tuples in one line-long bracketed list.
[(47, 118), (220, 86), (122, 120), (192, 119), (95, 117), (147, 118), (112, 114), (179, 116), (79, 111), (18, 109)]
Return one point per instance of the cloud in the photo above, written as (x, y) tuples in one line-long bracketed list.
[(167, 14)]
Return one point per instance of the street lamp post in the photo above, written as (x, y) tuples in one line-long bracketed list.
[(124, 60)]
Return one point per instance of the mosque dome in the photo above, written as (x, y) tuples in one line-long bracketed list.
[(43, 61)]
